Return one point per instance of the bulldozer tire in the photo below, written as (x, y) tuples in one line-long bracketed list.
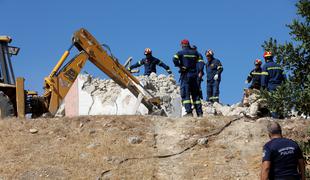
[(6, 106)]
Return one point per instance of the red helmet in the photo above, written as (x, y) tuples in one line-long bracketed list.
[(258, 62), (267, 54), (147, 51), (185, 42)]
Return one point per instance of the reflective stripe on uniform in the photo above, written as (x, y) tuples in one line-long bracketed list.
[(283, 73), (272, 68), (265, 73), (189, 56), (160, 63), (197, 102), (140, 62), (219, 67), (200, 60), (176, 56), (256, 73), (214, 97), (186, 102)]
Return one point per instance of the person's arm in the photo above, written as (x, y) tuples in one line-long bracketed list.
[(266, 163), (163, 65), (138, 64), (176, 60), (249, 78), (265, 76), (265, 170), (302, 169), (200, 67), (219, 68)]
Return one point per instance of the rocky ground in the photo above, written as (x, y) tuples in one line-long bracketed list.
[(136, 147)]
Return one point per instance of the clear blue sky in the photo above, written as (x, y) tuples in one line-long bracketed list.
[(235, 30)]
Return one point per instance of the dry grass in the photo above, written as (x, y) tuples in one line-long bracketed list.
[(84, 147)]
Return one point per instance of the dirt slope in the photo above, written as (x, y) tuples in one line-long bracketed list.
[(135, 147)]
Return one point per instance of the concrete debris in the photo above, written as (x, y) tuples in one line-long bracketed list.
[(94, 96), (33, 131), (93, 145), (250, 106), (61, 110), (203, 141), (134, 140), (105, 97)]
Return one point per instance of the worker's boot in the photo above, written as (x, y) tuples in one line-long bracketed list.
[(200, 115), (189, 114)]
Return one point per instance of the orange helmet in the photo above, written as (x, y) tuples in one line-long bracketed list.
[(209, 52), (267, 54), (258, 62), (147, 51)]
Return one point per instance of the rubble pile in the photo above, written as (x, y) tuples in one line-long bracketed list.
[(110, 99), (105, 97), (250, 106)]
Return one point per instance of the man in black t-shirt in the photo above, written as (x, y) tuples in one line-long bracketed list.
[(282, 158)]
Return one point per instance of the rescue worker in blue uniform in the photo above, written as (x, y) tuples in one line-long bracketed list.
[(150, 63), (255, 75), (282, 157), (200, 67), (272, 77), (214, 70), (272, 73), (186, 60)]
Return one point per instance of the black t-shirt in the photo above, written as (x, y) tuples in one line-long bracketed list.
[(283, 154)]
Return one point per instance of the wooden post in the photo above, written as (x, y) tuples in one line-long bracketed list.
[(20, 97)]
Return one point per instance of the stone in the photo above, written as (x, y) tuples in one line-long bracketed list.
[(84, 155), (253, 109), (203, 141), (33, 131), (92, 145), (161, 76), (134, 140), (222, 109), (153, 76), (61, 110)]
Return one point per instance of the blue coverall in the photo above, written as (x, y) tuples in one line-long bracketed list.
[(187, 60), (200, 67), (272, 75), (213, 86), (255, 77), (150, 64)]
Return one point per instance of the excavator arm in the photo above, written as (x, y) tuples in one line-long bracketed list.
[(58, 83)]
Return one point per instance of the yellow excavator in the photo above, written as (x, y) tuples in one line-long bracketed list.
[(15, 101)]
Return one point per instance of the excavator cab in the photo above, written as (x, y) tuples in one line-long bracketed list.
[(7, 78), (7, 74)]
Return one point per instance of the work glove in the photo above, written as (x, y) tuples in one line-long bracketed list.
[(183, 69), (216, 77), (169, 71)]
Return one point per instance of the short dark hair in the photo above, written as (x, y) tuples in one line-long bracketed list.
[(274, 128)]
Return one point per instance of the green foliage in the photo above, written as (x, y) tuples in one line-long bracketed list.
[(294, 57), (305, 147)]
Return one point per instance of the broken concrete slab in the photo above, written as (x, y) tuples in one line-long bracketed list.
[(94, 96)]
